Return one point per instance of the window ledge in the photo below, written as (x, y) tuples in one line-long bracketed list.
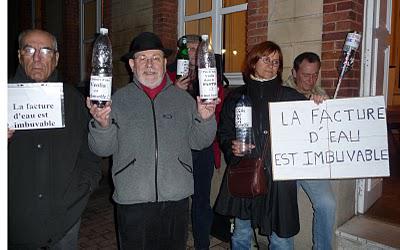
[(235, 79)]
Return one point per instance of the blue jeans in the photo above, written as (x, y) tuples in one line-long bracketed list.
[(324, 205), (243, 234), (202, 213)]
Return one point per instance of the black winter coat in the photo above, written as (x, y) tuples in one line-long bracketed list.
[(51, 173), (276, 211)]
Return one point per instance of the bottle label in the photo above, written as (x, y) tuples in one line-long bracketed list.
[(182, 67), (208, 83), (100, 88), (352, 41), (243, 117)]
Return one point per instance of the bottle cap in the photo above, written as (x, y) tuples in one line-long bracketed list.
[(204, 37), (103, 31)]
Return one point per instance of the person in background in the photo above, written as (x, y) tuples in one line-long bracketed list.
[(150, 129), (51, 172), (276, 213), (203, 160), (304, 78)]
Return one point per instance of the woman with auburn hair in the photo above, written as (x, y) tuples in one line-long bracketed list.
[(276, 213)]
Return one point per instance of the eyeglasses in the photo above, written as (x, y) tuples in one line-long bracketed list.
[(156, 59), (43, 52), (267, 60)]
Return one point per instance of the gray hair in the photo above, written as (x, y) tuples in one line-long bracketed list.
[(193, 38), (24, 33), (189, 39)]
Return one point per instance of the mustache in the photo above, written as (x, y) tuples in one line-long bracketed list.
[(149, 72)]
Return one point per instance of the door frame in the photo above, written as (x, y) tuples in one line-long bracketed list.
[(374, 81)]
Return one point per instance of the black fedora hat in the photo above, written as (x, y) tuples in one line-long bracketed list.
[(145, 41)]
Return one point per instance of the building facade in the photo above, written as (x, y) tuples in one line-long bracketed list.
[(234, 26)]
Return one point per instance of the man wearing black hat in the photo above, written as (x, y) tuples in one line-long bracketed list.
[(150, 130)]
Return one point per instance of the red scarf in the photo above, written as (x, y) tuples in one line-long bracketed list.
[(152, 93)]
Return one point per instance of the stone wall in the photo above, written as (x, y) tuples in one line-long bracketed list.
[(297, 27), (130, 17)]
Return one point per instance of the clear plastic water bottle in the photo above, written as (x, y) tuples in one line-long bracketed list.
[(101, 77), (348, 55), (207, 71), (243, 124), (182, 60), (349, 51)]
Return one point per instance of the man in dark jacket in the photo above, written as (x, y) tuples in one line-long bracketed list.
[(51, 172)]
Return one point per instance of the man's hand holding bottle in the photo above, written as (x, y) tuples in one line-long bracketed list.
[(101, 115)]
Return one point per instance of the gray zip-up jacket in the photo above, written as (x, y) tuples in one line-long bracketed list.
[(151, 142)]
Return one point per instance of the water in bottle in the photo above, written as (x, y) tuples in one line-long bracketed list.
[(101, 76), (207, 71), (243, 124), (182, 60)]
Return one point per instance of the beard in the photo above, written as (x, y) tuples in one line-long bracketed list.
[(149, 83)]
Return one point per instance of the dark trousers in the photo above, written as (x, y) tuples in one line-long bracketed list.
[(202, 213), (153, 225)]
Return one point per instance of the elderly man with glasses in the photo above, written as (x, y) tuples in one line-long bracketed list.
[(150, 129), (51, 172)]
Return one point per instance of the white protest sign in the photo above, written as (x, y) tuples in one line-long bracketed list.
[(340, 138), (35, 105)]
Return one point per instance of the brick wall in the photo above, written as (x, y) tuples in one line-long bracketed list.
[(25, 15), (107, 21), (69, 54), (165, 21), (129, 18), (339, 18), (257, 16)]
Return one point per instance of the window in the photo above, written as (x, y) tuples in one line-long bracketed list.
[(90, 25), (225, 23)]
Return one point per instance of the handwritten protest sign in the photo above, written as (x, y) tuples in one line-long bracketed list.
[(341, 138), (35, 105)]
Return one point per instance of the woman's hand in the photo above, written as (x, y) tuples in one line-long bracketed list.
[(238, 149)]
